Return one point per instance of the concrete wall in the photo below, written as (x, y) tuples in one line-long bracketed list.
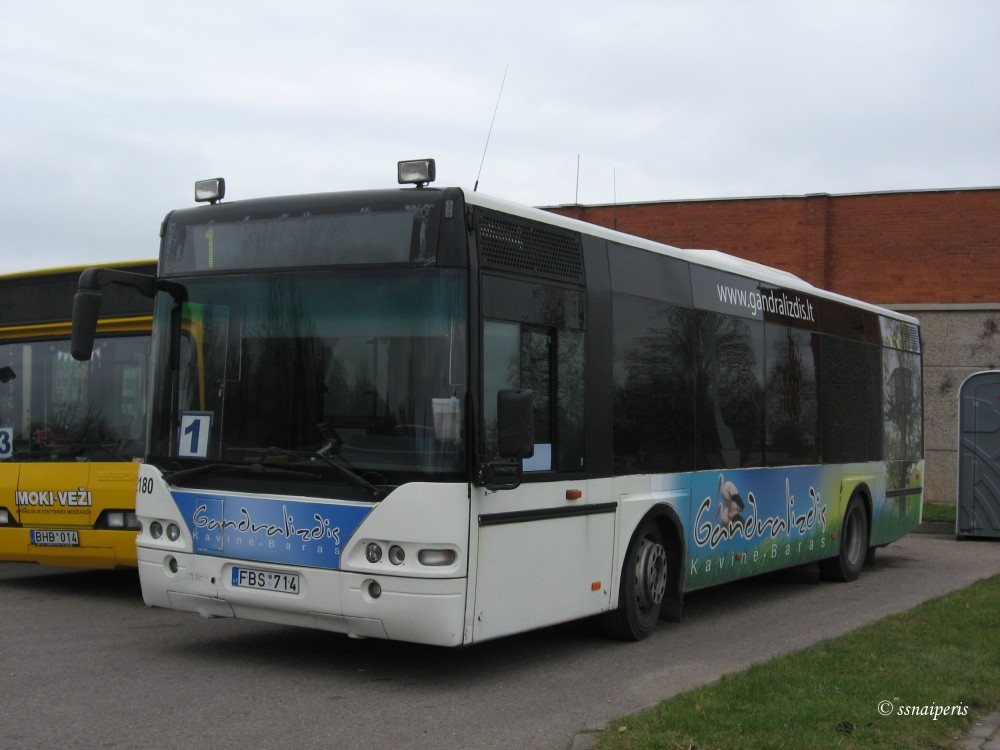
[(958, 340)]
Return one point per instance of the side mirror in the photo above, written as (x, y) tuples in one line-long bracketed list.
[(515, 440), (86, 306), (515, 424)]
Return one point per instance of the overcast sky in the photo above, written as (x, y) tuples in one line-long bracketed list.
[(109, 111)]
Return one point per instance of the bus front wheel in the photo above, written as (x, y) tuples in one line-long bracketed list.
[(854, 537), (643, 585)]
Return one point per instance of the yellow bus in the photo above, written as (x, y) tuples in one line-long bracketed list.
[(70, 432)]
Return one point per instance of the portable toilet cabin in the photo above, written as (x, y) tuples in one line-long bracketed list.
[(979, 456)]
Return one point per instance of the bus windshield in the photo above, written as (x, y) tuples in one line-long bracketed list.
[(327, 374), (56, 409)]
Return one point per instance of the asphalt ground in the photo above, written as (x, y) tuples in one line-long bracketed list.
[(84, 664)]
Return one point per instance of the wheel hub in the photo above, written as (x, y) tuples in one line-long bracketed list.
[(650, 574)]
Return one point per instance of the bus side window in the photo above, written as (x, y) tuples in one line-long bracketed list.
[(501, 370), (549, 362), (792, 407), (536, 375), (570, 399)]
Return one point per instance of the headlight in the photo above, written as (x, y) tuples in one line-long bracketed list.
[(417, 172), (210, 191), (121, 519)]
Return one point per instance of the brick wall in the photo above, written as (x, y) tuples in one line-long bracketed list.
[(931, 247)]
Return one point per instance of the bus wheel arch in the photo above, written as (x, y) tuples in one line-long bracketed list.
[(651, 583), (854, 547)]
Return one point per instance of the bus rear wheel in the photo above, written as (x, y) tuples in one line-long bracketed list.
[(854, 538), (645, 574)]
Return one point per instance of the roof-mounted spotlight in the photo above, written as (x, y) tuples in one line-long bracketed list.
[(210, 191), (417, 172)]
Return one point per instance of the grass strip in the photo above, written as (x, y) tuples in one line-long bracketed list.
[(939, 513), (876, 687)]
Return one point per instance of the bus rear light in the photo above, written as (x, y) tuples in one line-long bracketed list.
[(436, 557)]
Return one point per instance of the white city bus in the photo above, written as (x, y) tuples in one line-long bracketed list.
[(430, 415)]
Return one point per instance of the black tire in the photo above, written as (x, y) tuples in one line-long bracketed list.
[(854, 538), (644, 580)]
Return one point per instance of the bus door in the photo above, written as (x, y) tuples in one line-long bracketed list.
[(545, 547)]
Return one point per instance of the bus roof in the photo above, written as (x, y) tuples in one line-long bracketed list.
[(123, 264), (32, 298), (711, 258)]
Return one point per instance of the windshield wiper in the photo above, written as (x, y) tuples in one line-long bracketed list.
[(345, 471), (176, 477)]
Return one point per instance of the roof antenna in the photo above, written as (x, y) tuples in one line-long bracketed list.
[(614, 193), (576, 197), (476, 186)]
